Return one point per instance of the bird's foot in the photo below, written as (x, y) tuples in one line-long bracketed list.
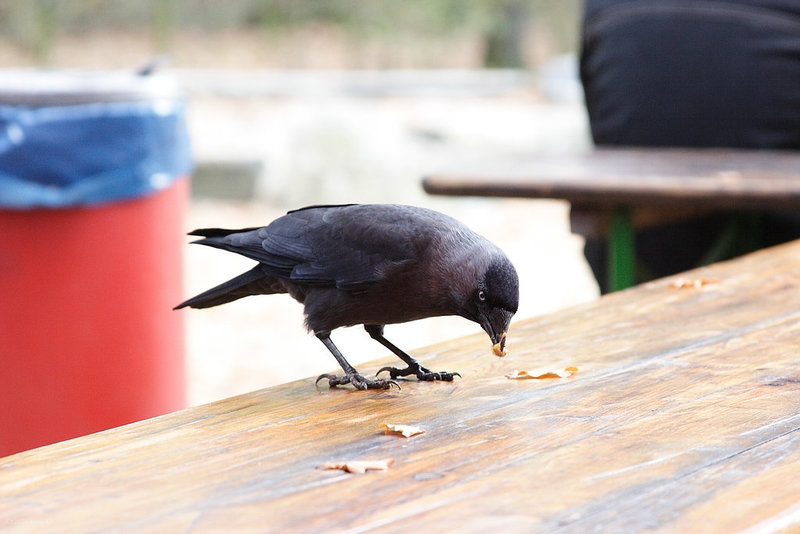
[(422, 373), (358, 381)]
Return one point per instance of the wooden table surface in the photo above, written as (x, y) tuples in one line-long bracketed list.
[(704, 178), (684, 416)]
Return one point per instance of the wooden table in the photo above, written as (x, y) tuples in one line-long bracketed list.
[(614, 191), (684, 416)]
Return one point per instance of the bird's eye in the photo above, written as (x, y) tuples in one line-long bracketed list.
[(481, 295)]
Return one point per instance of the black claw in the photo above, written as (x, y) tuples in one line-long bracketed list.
[(358, 381), (393, 371), (320, 377), (420, 372)]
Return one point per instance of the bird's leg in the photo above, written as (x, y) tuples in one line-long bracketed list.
[(414, 367), (351, 376)]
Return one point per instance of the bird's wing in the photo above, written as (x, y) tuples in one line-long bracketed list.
[(349, 247)]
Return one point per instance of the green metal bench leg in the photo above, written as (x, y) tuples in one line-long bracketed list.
[(621, 251)]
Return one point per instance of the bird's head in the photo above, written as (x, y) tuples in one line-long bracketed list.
[(493, 299)]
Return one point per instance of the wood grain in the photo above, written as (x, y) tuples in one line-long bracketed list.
[(684, 416), (731, 179)]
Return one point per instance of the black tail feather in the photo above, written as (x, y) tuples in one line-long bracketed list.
[(220, 232), (233, 289)]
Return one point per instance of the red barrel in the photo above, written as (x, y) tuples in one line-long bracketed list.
[(88, 338)]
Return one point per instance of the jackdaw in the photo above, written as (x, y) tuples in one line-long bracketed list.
[(371, 265)]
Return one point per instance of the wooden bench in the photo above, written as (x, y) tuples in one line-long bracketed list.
[(615, 191), (684, 416)]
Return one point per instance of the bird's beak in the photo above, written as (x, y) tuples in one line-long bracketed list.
[(495, 323)]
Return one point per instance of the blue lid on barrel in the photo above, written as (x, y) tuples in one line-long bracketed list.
[(72, 138)]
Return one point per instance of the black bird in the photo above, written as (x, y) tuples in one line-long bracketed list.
[(371, 265)]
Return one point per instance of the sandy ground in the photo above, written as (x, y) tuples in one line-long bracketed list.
[(348, 149)]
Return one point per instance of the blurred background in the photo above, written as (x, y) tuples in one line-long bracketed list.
[(323, 101)]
